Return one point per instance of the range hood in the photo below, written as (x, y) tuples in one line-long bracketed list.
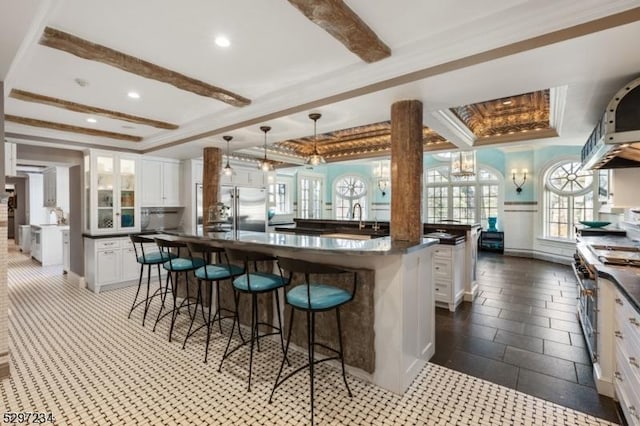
[(615, 141)]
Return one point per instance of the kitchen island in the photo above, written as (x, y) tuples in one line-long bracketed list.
[(392, 318)]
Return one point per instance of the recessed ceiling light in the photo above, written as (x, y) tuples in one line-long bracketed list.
[(506, 102), (133, 95), (81, 82), (222, 41), (128, 126), (91, 120)]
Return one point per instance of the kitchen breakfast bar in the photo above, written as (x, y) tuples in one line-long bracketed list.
[(389, 328)]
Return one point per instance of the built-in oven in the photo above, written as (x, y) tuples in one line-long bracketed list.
[(587, 303)]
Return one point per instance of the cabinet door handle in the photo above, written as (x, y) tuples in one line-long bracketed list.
[(108, 252), (619, 301), (633, 361), (618, 334), (634, 413), (618, 376), (634, 322)]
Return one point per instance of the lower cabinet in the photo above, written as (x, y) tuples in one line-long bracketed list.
[(627, 358), (447, 275), (111, 263)]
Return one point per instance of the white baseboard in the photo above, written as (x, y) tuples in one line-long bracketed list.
[(540, 255)]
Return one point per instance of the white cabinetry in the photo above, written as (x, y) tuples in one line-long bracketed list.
[(250, 178), (46, 244), (160, 183), (447, 274), (111, 263), (56, 187), (627, 358), (112, 183)]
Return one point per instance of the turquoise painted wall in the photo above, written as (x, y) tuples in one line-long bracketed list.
[(534, 160)]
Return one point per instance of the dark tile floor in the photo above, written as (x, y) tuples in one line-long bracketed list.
[(522, 332)]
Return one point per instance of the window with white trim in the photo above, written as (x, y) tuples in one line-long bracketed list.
[(463, 198), (310, 196), (348, 191), (568, 198)]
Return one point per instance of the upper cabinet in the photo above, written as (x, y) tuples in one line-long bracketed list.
[(625, 192), (112, 185), (56, 187), (160, 183)]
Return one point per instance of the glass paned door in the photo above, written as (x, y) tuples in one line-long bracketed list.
[(310, 197), (105, 189), (127, 193)]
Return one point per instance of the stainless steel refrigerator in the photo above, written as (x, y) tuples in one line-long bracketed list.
[(247, 208)]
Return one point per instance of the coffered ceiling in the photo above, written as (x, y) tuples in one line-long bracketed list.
[(67, 61)]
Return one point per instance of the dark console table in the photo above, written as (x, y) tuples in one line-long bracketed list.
[(491, 241)]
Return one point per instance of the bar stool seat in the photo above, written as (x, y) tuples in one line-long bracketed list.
[(181, 264), (258, 282), (155, 257), (320, 296), (218, 272)]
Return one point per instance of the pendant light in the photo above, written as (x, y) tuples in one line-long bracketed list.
[(265, 165), (315, 159), (463, 163), (227, 170)]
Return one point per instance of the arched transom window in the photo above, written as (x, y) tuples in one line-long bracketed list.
[(350, 191)]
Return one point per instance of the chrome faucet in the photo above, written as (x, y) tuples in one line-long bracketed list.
[(353, 214)]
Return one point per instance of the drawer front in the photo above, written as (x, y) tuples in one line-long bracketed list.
[(108, 244), (627, 388), (442, 291), (442, 252), (442, 269)]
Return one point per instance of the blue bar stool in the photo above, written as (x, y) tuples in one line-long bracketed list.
[(147, 258), (174, 266), (211, 274), (311, 298), (254, 283)]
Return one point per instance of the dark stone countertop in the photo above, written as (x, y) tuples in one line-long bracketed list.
[(126, 234), (626, 278)]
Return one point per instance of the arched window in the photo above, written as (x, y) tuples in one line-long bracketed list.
[(463, 198), (568, 198), (349, 191)]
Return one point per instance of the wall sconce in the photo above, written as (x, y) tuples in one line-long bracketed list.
[(382, 175), (514, 172)]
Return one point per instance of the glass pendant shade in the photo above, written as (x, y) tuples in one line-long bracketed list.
[(315, 158), (265, 165), (227, 170), (463, 163)]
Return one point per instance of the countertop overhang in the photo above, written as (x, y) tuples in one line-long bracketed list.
[(382, 246)]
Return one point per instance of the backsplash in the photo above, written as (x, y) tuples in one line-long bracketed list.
[(158, 218)]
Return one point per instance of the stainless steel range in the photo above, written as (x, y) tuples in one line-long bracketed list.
[(587, 302)]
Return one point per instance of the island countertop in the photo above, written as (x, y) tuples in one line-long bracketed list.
[(382, 246)]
